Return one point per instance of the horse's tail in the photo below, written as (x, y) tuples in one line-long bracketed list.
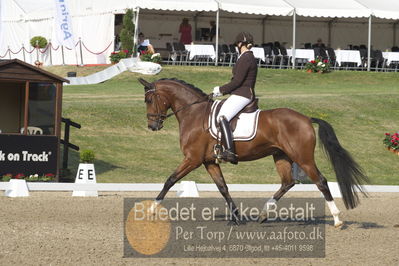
[(349, 173)]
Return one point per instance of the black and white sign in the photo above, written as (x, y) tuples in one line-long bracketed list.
[(28, 155)]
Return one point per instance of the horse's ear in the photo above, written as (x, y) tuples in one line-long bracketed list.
[(147, 85)]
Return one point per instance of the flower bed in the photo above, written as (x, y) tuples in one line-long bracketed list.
[(150, 57), (115, 57), (318, 66)]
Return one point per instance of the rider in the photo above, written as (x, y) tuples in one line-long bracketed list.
[(242, 90)]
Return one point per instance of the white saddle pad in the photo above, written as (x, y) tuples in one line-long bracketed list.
[(246, 128)]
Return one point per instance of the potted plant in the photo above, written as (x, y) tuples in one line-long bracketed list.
[(38, 42), (87, 156), (391, 142)]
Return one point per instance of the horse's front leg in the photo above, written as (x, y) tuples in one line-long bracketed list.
[(217, 176), (184, 168)]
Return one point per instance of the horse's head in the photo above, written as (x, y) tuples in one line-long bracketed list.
[(157, 105)]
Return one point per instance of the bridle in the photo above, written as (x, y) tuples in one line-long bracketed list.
[(159, 118)]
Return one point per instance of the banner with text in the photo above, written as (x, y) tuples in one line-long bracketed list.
[(201, 228), (28, 155), (63, 24)]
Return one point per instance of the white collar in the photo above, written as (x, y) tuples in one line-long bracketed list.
[(242, 54)]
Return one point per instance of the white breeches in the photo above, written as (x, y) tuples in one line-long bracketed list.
[(232, 106)]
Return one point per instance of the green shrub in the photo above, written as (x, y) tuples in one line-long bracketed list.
[(127, 31), (39, 41), (87, 156)]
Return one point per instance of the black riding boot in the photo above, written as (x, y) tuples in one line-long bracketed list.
[(227, 140)]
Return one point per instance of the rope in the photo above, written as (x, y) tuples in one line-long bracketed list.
[(75, 45), (52, 47), (5, 54), (16, 52), (28, 51), (94, 52), (43, 51)]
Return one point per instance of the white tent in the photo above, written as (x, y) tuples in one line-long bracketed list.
[(339, 21)]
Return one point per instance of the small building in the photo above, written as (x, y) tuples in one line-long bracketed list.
[(30, 119)]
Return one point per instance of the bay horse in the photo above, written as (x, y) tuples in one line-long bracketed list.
[(283, 133)]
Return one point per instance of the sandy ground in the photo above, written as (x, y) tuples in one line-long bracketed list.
[(52, 228)]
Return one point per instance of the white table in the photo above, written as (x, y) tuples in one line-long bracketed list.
[(390, 56), (302, 54), (259, 52), (202, 50), (349, 56)]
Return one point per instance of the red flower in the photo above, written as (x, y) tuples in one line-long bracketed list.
[(49, 175), (395, 143), (313, 61), (325, 61), (387, 134), (19, 176)]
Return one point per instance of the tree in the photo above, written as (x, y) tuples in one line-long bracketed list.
[(127, 31)]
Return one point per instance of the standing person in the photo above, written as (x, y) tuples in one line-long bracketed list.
[(185, 32), (242, 90), (212, 31)]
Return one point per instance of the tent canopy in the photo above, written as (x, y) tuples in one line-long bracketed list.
[(332, 8), (257, 7), (386, 9)]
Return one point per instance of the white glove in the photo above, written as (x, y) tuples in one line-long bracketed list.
[(216, 92)]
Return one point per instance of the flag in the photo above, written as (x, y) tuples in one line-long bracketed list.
[(63, 24)]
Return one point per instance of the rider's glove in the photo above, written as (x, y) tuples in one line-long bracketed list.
[(216, 92)]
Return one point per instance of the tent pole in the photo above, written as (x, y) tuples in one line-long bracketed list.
[(369, 46), (293, 38), (217, 37), (136, 27), (394, 33)]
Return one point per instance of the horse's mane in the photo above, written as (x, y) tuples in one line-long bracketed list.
[(187, 85)]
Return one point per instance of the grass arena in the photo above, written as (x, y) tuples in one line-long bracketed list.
[(55, 228)]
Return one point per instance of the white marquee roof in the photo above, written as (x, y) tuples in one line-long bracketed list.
[(257, 7), (386, 9), (330, 8), (14, 10)]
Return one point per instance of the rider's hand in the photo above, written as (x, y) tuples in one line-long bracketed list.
[(216, 92)]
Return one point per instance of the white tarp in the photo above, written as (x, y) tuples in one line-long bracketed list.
[(258, 7), (93, 22), (179, 5), (386, 9), (332, 8)]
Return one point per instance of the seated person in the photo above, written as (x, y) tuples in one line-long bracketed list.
[(319, 43), (144, 45)]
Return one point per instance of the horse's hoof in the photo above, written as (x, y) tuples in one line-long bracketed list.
[(262, 217), (338, 224)]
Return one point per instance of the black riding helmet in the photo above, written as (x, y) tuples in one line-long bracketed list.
[(245, 38)]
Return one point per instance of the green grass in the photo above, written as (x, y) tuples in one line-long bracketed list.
[(360, 106)]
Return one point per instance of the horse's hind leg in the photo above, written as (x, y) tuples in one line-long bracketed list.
[(321, 183), (283, 165)]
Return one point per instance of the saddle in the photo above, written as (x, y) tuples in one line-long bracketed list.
[(250, 108)]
